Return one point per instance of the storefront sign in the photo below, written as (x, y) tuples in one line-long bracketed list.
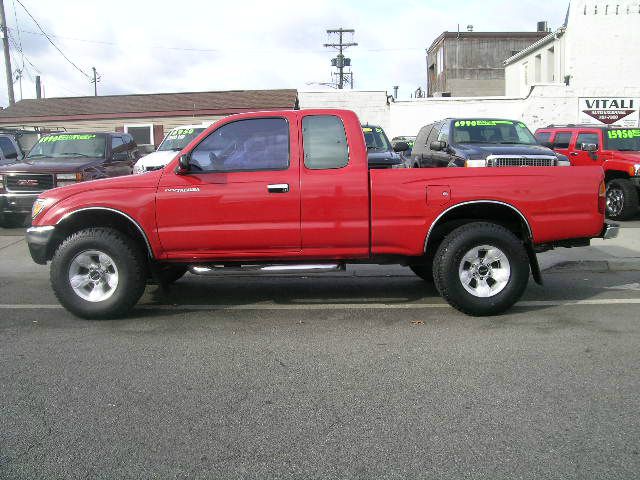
[(609, 111)]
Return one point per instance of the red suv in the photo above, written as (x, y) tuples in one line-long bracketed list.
[(617, 149)]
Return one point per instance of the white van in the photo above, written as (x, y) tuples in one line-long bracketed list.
[(176, 140)]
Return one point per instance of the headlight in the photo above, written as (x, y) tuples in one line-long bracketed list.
[(475, 163), (39, 206), (1, 182), (399, 165), (636, 166), (138, 168), (63, 179)]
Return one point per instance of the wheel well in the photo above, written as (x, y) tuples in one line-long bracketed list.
[(96, 218), (611, 174), (498, 213)]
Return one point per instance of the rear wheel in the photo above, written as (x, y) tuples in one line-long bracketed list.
[(622, 199), (481, 269), (98, 273)]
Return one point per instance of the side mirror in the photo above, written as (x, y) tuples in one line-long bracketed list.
[(183, 164), (438, 145), (589, 147), (401, 147)]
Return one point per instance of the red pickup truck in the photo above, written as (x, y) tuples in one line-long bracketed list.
[(287, 191)]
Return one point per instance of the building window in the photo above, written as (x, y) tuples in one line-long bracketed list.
[(538, 69), (141, 133), (525, 69), (440, 60), (551, 65)]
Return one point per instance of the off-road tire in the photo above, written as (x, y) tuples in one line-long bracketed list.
[(449, 256), (630, 199), (129, 259)]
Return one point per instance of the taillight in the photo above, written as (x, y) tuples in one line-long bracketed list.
[(602, 197)]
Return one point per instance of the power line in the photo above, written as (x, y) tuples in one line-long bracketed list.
[(51, 41), (217, 50)]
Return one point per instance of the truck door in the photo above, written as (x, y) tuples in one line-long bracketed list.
[(579, 156), (335, 187), (241, 196)]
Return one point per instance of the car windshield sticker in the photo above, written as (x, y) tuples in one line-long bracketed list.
[(180, 133), (631, 133), (481, 123), (65, 137), (379, 130), (367, 129)]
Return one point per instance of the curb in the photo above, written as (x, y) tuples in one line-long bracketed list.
[(626, 265)]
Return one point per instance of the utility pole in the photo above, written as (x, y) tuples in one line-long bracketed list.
[(340, 61), (96, 79), (7, 58)]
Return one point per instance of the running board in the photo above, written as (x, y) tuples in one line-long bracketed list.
[(216, 269)]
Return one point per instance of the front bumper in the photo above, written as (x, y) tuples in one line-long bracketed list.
[(17, 202), (636, 181), (610, 230), (38, 239)]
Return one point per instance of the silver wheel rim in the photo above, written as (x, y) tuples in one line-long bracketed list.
[(484, 271), (93, 276), (615, 200)]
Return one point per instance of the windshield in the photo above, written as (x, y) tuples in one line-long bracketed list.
[(623, 140), (69, 145), (178, 138), (375, 139), (492, 131)]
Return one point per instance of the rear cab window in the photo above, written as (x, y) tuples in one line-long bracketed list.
[(562, 140), (324, 142)]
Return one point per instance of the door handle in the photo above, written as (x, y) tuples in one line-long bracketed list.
[(278, 188), (574, 154)]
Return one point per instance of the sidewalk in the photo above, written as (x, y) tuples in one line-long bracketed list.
[(618, 254)]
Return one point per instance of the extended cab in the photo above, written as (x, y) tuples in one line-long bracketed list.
[(616, 149), (62, 159), (291, 190), (481, 142)]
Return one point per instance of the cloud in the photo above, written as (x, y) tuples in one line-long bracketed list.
[(150, 46)]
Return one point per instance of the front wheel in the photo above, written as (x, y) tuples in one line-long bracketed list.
[(481, 269), (98, 273), (622, 199)]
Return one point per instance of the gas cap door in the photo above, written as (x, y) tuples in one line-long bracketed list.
[(438, 194)]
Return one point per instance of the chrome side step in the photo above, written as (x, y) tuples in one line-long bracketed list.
[(216, 269)]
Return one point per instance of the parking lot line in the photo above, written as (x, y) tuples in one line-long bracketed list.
[(340, 306)]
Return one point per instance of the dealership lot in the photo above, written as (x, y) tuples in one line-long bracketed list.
[(364, 374)]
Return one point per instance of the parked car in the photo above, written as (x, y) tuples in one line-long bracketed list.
[(15, 143), (616, 149), (176, 140), (291, 191), (61, 159), (379, 150), (481, 142)]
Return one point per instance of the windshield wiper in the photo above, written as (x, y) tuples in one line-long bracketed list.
[(75, 154), (628, 150)]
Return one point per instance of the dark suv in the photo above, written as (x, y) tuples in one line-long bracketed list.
[(481, 142), (380, 153), (62, 159)]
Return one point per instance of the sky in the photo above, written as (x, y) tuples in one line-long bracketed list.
[(147, 46)]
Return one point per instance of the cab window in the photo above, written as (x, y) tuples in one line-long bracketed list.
[(587, 138), (244, 145), (324, 142), (562, 140)]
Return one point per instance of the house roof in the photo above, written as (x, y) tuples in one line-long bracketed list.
[(536, 46), (486, 35), (148, 105)]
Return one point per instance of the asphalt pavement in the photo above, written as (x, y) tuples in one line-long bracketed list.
[(361, 374)]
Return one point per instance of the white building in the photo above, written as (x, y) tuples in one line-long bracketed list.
[(597, 48)]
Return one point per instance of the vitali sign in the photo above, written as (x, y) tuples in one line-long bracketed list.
[(609, 111)]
